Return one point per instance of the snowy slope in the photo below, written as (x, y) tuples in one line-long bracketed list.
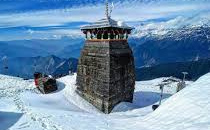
[(23, 107), (188, 110)]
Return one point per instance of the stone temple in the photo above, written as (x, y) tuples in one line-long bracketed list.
[(106, 72)]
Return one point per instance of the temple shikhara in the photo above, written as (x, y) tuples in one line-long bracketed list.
[(106, 72)]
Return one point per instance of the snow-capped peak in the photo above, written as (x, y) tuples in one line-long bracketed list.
[(164, 27)]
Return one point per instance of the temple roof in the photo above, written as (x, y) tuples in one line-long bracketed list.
[(105, 23)]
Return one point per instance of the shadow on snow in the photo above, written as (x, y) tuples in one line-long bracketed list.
[(140, 100), (8, 119), (60, 86)]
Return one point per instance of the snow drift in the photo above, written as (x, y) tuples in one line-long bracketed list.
[(23, 107), (189, 109)]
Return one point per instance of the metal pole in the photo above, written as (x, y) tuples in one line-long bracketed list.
[(161, 94), (184, 73)]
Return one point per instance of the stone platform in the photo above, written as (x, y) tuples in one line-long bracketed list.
[(106, 73)]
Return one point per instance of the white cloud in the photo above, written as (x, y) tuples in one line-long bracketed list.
[(40, 34), (30, 31), (126, 11)]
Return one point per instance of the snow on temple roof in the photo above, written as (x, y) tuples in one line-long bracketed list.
[(106, 22)]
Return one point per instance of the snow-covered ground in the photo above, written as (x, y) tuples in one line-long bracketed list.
[(23, 107)]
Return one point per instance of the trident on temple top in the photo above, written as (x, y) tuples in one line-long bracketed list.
[(107, 13), (107, 9)]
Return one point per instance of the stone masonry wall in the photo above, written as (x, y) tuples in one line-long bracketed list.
[(105, 74)]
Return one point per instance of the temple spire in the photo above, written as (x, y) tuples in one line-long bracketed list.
[(107, 9)]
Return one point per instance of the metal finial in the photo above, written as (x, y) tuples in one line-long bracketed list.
[(107, 9)]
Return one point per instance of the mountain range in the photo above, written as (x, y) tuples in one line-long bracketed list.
[(178, 45), (195, 69), (64, 47), (182, 45), (25, 67)]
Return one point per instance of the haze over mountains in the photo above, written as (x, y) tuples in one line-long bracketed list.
[(63, 47), (179, 48)]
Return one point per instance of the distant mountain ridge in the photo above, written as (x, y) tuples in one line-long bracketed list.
[(26, 66), (64, 47), (195, 69), (178, 45), (186, 44)]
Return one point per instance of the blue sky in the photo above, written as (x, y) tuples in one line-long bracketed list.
[(46, 19)]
